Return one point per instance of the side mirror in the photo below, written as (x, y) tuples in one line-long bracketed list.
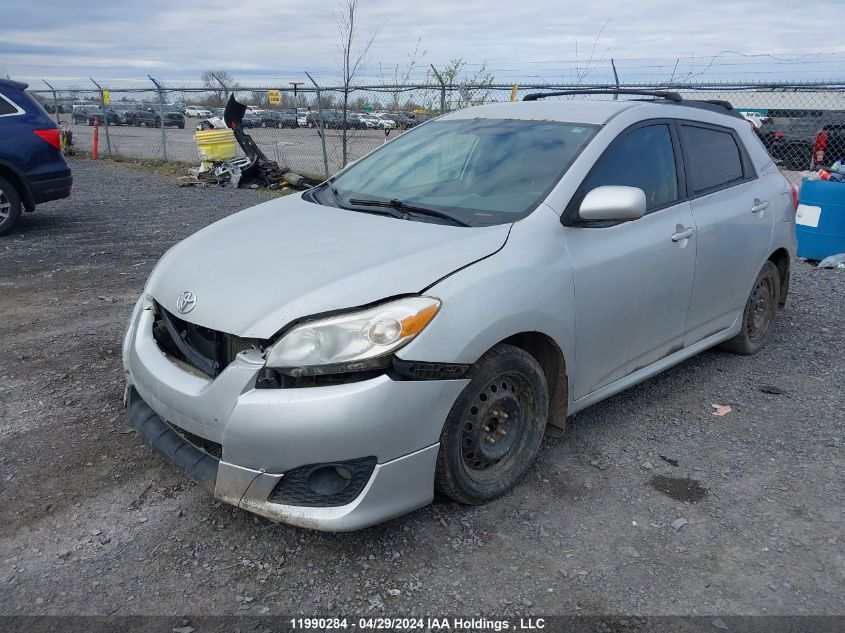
[(613, 202)]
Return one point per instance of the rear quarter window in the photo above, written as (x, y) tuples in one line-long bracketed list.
[(6, 107), (713, 158)]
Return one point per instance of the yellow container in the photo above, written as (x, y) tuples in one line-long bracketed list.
[(215, 145)]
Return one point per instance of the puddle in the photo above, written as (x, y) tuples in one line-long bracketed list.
[(679, 488)]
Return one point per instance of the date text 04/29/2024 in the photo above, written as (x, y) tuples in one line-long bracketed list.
[(410, 624)]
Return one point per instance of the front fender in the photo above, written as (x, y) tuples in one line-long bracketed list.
[(525, 287)]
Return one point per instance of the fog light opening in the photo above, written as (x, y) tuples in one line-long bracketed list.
[(329, 479)]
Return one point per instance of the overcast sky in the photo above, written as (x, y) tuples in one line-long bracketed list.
[(68, 40)]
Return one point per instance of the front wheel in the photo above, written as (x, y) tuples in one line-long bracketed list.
[(494, 428), (759, 312), (10, 206)]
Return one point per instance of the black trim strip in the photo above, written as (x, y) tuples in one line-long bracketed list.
[(201, 362)]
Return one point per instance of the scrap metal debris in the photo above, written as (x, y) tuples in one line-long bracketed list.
[(721, 410), (252, 170)]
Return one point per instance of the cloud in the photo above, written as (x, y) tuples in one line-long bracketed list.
[(257, 39)]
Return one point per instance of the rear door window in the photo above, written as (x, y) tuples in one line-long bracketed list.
[(712, 157)]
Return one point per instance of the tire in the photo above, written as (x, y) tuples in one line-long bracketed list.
[(10, 206), (158, 123), (760, 310), (478, 459)]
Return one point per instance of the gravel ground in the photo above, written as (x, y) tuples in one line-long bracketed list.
[(93, 522)]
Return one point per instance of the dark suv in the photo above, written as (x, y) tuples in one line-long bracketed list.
[(151, 118), (797, 136), (32, 168)]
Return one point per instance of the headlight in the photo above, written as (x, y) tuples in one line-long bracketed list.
[(352, 339)]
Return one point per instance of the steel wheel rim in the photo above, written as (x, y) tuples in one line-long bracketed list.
[(5, 206), (494, 426), (762, 306)]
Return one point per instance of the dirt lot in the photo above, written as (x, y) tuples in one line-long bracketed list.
[(93, 522)]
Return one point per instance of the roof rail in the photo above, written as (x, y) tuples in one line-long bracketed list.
[(663, 94)]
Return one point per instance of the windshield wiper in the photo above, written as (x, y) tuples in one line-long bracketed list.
[(400, 206)]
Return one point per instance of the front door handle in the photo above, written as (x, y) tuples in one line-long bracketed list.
[(759, 205), (683, 235)]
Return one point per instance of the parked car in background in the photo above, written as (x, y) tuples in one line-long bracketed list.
[(332, 119), (302, 119), (79, 114), (795, 134), (755, 118), (387, 122), (355, 122), (278, 119), (177, 107), (32, 168), (143, 116), (114, 118), (470, 285), (251, 120), (197, 111), (174, 119), (404, 120)]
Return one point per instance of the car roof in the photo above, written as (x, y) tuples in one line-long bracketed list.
[(595, 112), (580, 111)]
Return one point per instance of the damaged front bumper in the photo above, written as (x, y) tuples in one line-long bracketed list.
[(240, 442)]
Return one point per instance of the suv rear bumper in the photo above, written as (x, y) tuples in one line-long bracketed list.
[(50, 189)]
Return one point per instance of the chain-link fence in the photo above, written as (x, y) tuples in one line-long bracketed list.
[(801, 124)]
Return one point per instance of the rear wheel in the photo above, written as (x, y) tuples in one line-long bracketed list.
[(494, 428), (759, 312), (158, 122), (10, 206)]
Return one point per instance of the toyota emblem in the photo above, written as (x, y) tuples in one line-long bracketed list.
[(186, 302)]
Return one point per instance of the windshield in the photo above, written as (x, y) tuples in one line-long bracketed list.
[(483, 171)]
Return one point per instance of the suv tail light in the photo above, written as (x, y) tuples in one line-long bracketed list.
[(818, 150), (795, 197), (778, 134), (51, 136)]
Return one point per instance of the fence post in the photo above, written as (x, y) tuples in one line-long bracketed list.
[(616, 77), (225, 89), (55, 102), (105, 114), (322, 127), (442, 90), (160, 91)]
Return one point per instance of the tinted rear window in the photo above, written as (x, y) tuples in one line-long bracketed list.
[(713, 158), (6, 107)]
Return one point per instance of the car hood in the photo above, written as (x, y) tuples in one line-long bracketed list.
[(258, 270)]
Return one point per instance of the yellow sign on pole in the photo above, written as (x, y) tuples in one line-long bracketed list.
[(106, 97), (274, 96), (513, 92)]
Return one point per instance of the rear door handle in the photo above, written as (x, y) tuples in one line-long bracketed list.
[(682, 235), (759, 205)]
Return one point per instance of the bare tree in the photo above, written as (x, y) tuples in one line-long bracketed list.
[(214, 80), (401, 75), (352, 59), (591, 62)]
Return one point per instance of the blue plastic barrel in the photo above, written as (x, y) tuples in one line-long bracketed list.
[(820, 222)]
